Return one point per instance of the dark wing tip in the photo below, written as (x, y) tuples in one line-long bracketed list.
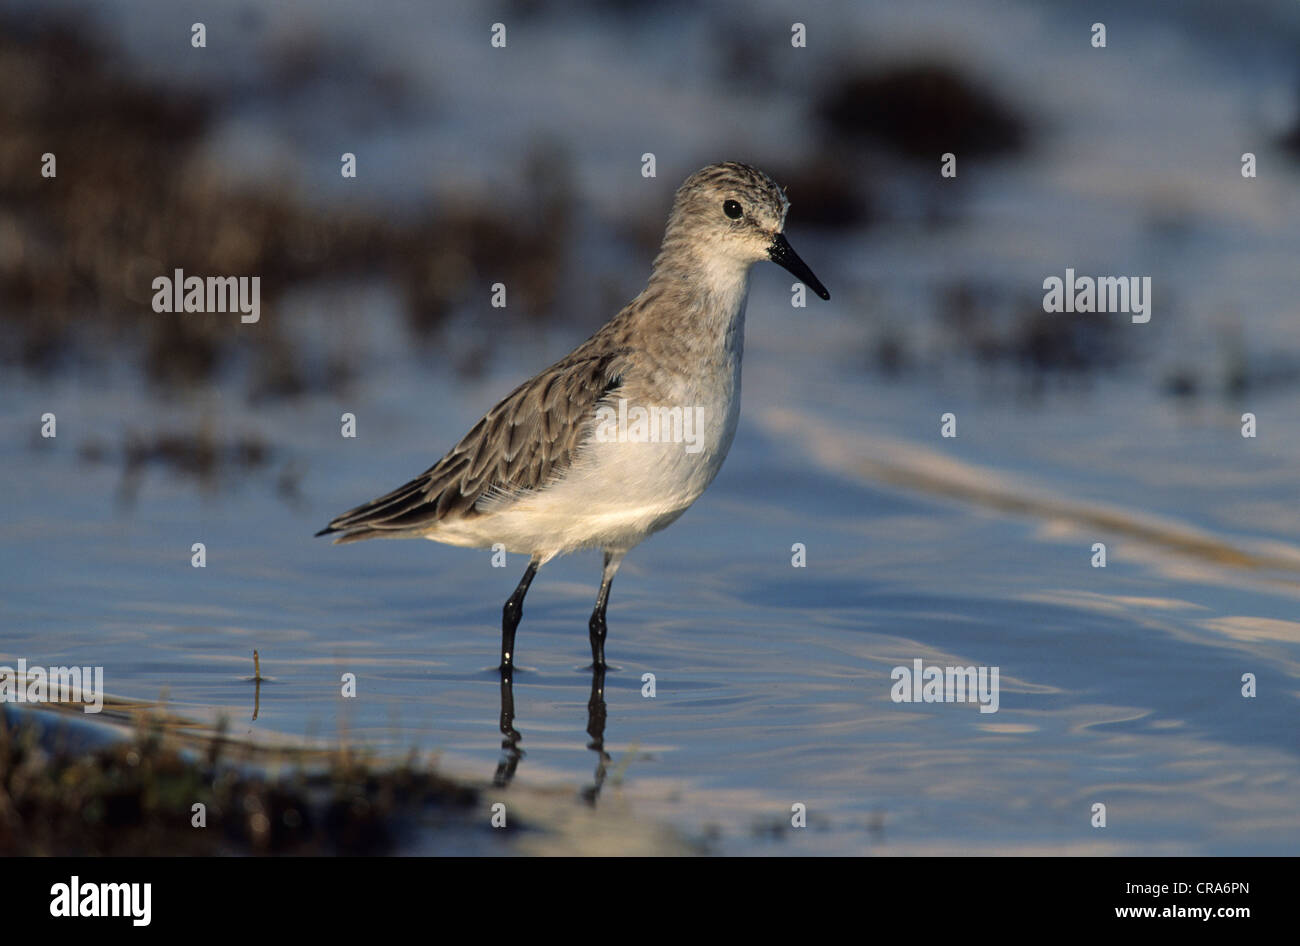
[(326, 531)]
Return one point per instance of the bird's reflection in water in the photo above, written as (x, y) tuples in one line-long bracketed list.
[(596, 730), (511, 753)]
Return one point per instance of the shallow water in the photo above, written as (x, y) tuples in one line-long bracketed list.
[(772, 682), (1119, 686)]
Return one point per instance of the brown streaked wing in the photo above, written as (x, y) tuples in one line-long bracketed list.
[(528, 439)]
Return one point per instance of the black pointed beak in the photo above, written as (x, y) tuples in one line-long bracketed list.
[(783, 254)]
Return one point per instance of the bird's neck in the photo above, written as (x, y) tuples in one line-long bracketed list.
[(704, 289)]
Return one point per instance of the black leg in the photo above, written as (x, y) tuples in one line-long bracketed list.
[(510, 616), (597, 622), (598, 629)]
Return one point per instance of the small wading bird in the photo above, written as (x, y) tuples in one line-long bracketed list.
[(538, 474)]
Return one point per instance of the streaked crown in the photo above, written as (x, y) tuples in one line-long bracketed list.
[(733, 208)]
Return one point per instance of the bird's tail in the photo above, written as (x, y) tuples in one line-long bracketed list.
[(356, 535)]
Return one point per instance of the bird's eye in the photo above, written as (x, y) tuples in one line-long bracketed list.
[(732, 209)]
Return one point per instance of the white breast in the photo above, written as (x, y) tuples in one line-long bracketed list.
[(625, 488)]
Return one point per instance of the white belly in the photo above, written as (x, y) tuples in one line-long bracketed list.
[(626, 485)]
